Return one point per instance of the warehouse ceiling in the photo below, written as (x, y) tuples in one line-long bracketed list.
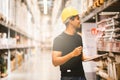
[(46, 4)]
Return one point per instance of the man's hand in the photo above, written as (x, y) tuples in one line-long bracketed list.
[(77, 51), (58, 59)]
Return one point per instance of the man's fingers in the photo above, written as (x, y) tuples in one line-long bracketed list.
[(80, 47)]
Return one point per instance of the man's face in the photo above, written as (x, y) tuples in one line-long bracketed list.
[(76, 22)]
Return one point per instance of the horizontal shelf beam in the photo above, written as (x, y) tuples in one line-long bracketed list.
[(107, 6), (15, 46)]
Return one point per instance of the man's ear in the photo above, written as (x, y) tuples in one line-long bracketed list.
[(71, 21)]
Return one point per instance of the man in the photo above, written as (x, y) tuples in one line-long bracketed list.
[(67, 47)]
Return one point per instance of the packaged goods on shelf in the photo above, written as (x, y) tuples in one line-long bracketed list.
[(90, 5), (1, 6), (13, 60), (102, 1), (4, 7), (21, 17), (110, 35), (13, 64), (8, 42), (3, 64), (84, 7), (12, 13), (109, 42), (98, 3), (1, 17), (19, 57), (4, 41), (23, 40)]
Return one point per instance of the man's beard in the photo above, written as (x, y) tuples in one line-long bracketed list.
[(79, 29)]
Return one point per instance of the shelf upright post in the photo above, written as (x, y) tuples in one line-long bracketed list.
[(15, 12), (16, 60), (96, 17), (8, 63)]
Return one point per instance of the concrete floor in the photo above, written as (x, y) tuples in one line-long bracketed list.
[(37, 67)]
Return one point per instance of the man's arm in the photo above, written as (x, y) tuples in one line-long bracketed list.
[(91, 58), (58, 59)]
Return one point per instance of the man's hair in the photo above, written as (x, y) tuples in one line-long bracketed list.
[(71, 18)]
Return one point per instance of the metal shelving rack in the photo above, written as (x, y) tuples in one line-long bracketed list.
[(109, 70), (8, 48), (13, 30)]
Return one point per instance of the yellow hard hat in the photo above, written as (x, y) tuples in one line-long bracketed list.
[(68, 12)]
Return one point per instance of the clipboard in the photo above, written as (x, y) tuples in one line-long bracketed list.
[(96, 57)]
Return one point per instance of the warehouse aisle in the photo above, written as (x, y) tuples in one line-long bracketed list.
[(37, 67)]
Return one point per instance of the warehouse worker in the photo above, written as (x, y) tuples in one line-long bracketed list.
[(67, 47)]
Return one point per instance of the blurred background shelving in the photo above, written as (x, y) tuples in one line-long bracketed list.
[(19, 31)]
